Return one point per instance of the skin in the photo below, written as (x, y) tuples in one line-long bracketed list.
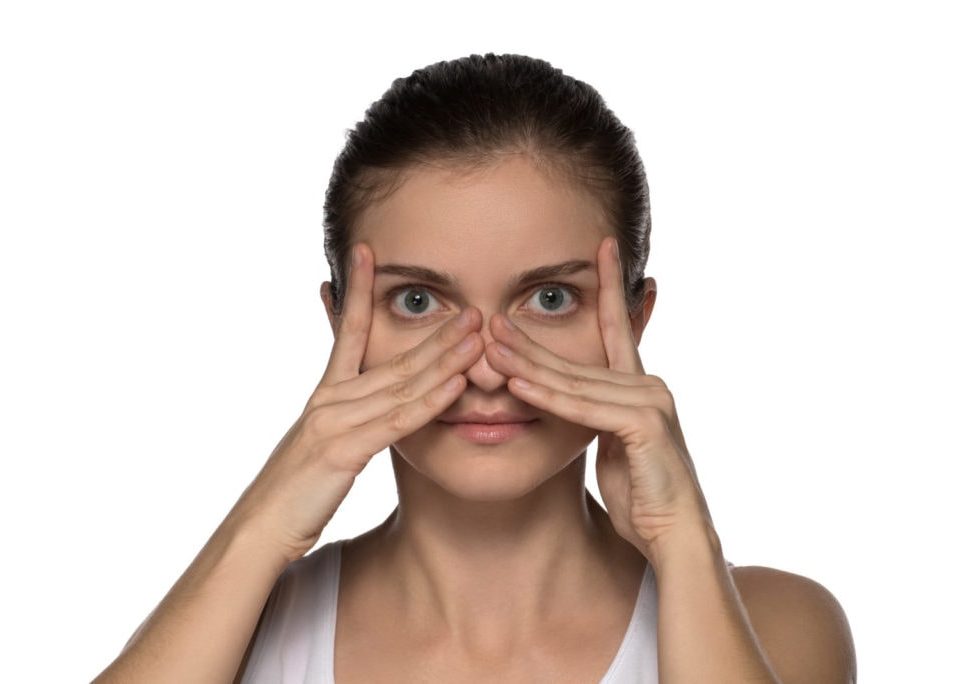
[(491, 548), (480, 572), (493, 542)]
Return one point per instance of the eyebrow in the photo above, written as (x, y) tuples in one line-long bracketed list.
[(445, 280)]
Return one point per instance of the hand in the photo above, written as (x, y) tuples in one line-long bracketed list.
[(351, 416), (644, 472)]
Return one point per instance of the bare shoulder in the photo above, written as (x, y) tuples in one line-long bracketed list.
[(801, 625)]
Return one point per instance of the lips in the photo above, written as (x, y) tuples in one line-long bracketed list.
[(491, 433), (489, 427)]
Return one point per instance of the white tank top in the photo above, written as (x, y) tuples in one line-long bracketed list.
[(294, 643)]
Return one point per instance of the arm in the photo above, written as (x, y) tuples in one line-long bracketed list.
[(799, 634), (648, 480), (200, 630)]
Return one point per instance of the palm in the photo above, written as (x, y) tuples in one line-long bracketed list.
[(614, 483), (639, 491)]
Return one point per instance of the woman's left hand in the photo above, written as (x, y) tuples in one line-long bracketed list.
[(644, 471)]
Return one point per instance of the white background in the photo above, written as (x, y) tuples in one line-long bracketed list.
[(813, 175)]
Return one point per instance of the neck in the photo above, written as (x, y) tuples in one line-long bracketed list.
[(501, 568)]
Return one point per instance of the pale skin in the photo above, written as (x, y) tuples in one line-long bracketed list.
[(491, 549), (496, 565)]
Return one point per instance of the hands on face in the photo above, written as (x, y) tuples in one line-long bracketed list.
[(352, 416), (644, 471)]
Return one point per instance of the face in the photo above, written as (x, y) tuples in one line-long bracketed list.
[(483, 230)]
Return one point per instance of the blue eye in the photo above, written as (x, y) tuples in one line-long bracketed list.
[(414, 298), (411, 302), (551, 298)]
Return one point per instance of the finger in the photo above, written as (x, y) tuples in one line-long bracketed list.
[(599, 415), (616, 329), (351, 339), (404, 419), (414, 360), (650, 391), (388, 398), (622, 388), (602, 408), (525, 345)]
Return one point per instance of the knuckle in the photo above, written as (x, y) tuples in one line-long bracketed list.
[(400, 391), (657, 420), (403, 363), (397, 419), (670, 402), (655, 380), (430, 401), (660, 391), (320, 420), (578, 383), (321, 395)]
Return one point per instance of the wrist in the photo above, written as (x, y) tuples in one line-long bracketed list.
[(253, 537), (696, 540)]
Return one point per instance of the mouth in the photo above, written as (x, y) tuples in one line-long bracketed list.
[(490, 433)]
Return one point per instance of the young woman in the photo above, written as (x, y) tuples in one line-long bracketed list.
[(487, 227)]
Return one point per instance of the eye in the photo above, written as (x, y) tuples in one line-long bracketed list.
[(415, 301), (553, 301)]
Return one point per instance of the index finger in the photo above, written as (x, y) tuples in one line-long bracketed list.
[(613, 319), (357, 314)]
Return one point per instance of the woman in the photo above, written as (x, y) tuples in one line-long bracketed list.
[(487, 226)]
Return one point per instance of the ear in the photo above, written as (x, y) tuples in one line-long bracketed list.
[(641, 317), (324, 295)]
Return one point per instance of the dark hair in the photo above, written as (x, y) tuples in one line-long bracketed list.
[(468, 111)]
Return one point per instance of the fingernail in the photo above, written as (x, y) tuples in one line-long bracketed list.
[(508, 324), (617, 252), (356, 256), (503, 349), (463, 319)]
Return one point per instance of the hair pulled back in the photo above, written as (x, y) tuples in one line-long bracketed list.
[(468, 112)]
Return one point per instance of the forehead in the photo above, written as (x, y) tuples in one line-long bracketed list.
[(508, 217)]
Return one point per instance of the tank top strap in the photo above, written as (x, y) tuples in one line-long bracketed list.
[(294, 638), (637, 659)]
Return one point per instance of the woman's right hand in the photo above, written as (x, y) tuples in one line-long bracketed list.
[(351, 416)]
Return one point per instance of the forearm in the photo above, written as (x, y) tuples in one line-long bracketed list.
[(704, 631), (200, 630)]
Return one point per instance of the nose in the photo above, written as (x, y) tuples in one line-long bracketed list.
[(481, 373)]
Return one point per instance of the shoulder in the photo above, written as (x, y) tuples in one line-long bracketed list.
[(800, 624)]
